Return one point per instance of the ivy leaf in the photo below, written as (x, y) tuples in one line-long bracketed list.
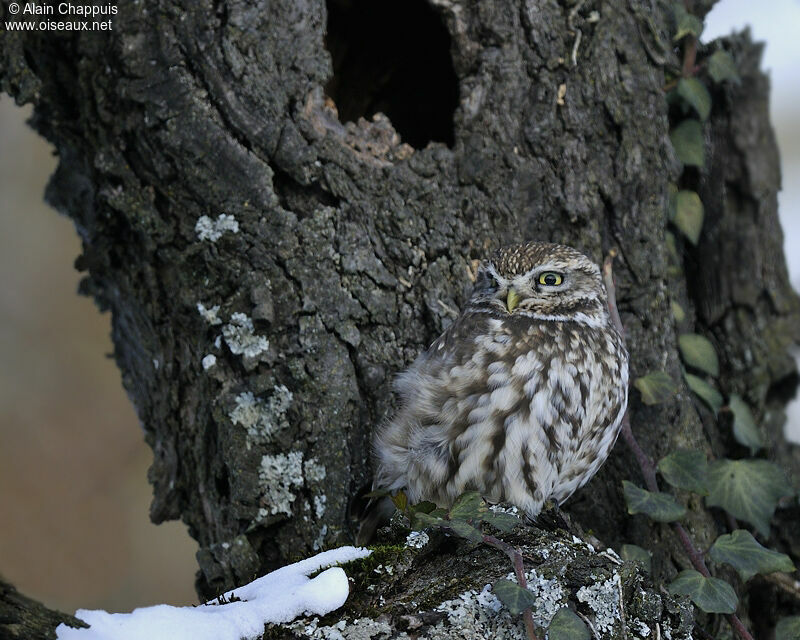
[(698, 352), (745, 430), (685, 23), (677, 312), (503, 521), (687, 138), (748, 489), (515, 598), (721, 67), (400, 500), (712, 595), (469, 505), (422, 520), (741, 550), (566, 625), (686, 469), (656, 387), (657, 506), (788, 628), (672, 247), (689, 214), (466, 530), (696, 94), (705, 391), (632, 553)]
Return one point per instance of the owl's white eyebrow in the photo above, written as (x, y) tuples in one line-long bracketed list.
[(491, 269), (550, 266)]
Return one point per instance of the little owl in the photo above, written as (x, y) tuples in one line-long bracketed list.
[(521, 398)]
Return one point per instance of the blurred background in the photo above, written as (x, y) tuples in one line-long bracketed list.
[(74, 496)]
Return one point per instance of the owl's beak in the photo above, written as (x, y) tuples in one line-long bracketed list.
[(512, 300)]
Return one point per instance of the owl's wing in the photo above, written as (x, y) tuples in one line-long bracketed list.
[(413, 448)]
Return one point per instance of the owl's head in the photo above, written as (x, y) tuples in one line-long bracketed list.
[(541, 280)]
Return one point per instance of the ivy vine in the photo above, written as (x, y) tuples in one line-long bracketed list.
[(747, 489)]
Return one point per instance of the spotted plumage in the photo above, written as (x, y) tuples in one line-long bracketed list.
[(522, 397)]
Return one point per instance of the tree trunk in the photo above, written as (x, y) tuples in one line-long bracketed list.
[(259, 348)]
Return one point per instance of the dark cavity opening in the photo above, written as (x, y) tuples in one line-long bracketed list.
[(393, 57)]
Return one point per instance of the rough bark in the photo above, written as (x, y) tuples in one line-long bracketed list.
[(24, 619), (354, 249)]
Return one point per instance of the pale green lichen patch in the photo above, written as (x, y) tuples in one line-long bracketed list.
[(550, 597), (319, 505), (603, 599), (242, 340), (210, 315), (314, 471), (640, 628), (417, 539), (262, 418), (359, 629), (477, 614), (280, 475), (212, 230), (320, 539)]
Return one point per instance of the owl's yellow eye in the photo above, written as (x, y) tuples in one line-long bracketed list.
[(550, 278)]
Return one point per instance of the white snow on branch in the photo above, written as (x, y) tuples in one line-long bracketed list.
[(208, 229), (277, 597)]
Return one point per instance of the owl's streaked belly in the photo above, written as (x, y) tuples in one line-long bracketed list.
[(529, 416)]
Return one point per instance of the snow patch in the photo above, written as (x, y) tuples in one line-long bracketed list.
[(208, 229), (276, 598), (209, 361)]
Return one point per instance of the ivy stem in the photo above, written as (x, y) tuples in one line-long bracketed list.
[(689, 56), (689, 49), (645, 463), (515, 556)]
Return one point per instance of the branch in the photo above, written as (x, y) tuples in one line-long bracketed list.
[(645, 463), (22, 617)]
